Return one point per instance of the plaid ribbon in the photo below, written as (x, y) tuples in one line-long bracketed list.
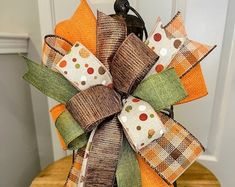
[(175, 28), (72, 179), (54, 49), (174, 152), (193, 81), (190, 54)]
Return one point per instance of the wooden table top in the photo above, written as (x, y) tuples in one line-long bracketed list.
[(55, 175)]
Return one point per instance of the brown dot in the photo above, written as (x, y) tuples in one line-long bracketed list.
[(142, 144), (138, 128), (65, 72), (95, 77), (77, 45), (83, 83), (177, 43), (101, 70)]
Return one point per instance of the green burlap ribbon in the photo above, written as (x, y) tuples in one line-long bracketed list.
[(161, 90), (128, 171), (50, 83), (73, 135)]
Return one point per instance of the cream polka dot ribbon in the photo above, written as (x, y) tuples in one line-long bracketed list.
[(83, 69), (163, 46), (141, 123)]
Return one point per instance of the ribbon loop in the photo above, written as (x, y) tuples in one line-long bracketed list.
[(73, 135), (104, 155), (161, 90), (141, 123), (110, 35), (131, 63), (83, 69), (92, 106), (54, 49)]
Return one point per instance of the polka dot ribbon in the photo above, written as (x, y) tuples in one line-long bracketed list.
[(165, 47)]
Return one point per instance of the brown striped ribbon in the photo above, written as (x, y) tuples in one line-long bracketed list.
[(90, 107), (104, 154), (131, 63), (110, 35)]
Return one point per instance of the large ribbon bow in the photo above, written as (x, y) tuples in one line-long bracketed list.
[(123, 88)]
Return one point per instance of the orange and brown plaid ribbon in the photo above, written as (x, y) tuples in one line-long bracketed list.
[(174, 152), (193, 81), (72, 179), (54, 49), (191, 53)]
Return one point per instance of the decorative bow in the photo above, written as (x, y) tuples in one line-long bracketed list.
[(123, 88)]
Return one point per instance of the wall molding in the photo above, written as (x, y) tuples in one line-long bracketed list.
[(13, 43)]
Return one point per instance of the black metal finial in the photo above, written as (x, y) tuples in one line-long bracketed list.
[(121, 6), (134, 24)]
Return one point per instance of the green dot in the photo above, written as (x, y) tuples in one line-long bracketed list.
[(77, 66), (128, 108), (151, 115)]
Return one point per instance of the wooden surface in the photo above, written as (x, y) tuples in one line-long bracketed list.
[(55, 176)]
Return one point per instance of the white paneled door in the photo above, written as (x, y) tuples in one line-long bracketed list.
[(210, 22)]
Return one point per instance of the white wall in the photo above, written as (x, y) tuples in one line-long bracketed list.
[(20, 146)]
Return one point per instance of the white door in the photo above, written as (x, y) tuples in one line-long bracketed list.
[(211, 22)]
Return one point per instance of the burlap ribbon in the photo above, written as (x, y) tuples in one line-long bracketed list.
[(128, 70), (95, 108)]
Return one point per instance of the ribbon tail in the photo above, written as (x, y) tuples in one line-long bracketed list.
[(49, 82), (72, 179), (104, 155), (128, 171)]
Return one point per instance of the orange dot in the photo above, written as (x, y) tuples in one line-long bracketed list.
[(86, 65), (63, 64)]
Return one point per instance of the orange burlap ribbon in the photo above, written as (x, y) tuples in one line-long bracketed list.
[(81, 27), (55, 113), (194, 84)]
